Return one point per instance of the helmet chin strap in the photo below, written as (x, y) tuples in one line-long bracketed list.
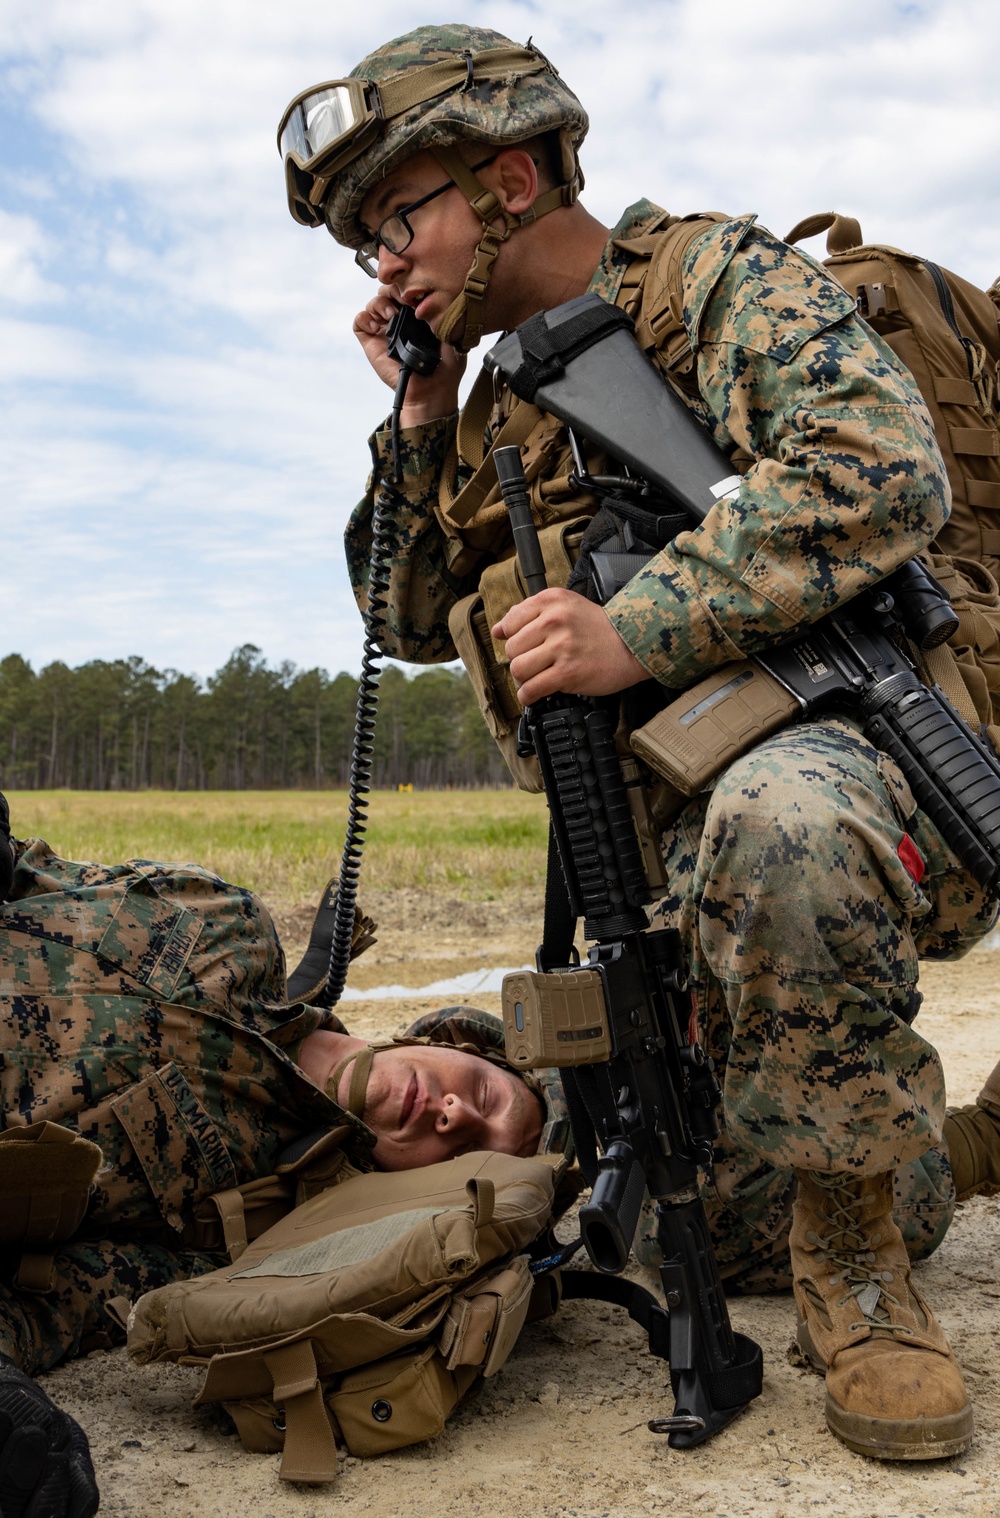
[(363, 1058), (468, 305)]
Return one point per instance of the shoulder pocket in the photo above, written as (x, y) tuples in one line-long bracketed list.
[(150, 938), (773, 299)]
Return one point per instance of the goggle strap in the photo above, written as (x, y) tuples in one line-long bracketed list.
[(416, 86)]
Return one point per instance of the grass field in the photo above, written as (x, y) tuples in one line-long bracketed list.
[(475, 844)]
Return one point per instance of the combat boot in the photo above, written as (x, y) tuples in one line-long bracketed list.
[(972, 1137), (894, 1388)]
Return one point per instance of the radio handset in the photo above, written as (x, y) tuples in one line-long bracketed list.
[(417, 351), (412, 343)]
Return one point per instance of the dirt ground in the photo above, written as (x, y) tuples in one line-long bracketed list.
[(561, 1431)]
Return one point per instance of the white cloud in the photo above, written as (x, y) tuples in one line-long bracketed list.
[(186, 408), (22, 253)]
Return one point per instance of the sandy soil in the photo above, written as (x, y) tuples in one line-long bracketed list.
[(561, 1431)]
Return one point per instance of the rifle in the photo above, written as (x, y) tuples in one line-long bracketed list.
[(637, 1081)]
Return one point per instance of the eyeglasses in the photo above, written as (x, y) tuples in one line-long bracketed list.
[(395, 233)]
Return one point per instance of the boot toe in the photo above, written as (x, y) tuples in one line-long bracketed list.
[(898, 1402)]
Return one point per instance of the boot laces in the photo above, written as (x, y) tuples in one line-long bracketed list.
[(847, 1244)]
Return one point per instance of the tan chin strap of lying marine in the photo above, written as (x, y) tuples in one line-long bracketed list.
[(468, 304)]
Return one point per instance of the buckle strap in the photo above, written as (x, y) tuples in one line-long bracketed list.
[(310, 1452)]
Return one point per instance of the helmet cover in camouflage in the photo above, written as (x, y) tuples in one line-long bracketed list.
[(524, 102)]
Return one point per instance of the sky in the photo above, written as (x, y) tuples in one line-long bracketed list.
[(183, 408)]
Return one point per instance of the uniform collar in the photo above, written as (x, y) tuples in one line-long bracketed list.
[(637, 222)]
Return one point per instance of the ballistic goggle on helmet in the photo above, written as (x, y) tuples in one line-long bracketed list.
[(435, 88)]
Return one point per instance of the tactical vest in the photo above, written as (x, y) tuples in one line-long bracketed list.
[(945, 331), (474, 518)]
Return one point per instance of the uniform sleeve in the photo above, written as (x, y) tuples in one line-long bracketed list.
[(846, 482), (422, 590)]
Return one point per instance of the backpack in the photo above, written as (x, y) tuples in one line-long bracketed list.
[(366, 1313), (947, 333)]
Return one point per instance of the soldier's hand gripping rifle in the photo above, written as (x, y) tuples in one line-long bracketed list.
[(637, 1083)]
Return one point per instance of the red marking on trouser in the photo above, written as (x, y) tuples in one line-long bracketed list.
[(911, 858)]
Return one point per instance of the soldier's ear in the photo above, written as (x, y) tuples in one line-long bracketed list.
[(515, 180)]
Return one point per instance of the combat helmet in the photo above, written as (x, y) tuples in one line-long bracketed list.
[(435, 88)]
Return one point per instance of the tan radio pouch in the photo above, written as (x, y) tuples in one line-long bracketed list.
[(46, 1175), (500, 588), (366, 1313)]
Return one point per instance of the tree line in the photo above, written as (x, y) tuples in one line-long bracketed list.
[(123, 725)]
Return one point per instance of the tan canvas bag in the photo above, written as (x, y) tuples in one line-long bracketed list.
[(364, 1314), (947, 333)]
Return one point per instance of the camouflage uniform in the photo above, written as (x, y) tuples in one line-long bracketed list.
[(169, 1044), (808, 884)]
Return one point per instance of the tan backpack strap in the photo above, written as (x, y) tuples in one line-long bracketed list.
[(660, 323), (473, 420), (844, 231), (36, 1273), (942, 666), (310, 1448), (483, 489)]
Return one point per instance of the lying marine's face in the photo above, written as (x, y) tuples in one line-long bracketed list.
[(427, 1103)]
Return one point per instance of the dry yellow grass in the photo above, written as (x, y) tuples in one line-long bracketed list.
[(285, 844)]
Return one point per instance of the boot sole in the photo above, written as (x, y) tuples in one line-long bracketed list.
[(892, 1438), (902, 1438)]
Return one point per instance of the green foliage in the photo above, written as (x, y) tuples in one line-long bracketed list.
[(123, 725)]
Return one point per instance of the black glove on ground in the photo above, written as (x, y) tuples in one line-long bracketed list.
[(45, 1465)]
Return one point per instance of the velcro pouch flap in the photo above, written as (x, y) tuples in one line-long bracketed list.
[(46, 1172), (482, 1324)]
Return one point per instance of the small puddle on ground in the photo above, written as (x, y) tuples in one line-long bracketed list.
[(456, 985)]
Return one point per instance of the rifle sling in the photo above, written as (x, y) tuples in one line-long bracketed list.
[(640, 1304)]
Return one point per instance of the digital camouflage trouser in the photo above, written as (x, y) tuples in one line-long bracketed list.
[(38, 1330), (806, 887)]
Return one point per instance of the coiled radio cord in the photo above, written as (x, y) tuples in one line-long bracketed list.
[(362, 748), (417, 351)]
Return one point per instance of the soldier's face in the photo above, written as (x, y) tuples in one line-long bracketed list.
[(430, 1103), (429, 273)]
